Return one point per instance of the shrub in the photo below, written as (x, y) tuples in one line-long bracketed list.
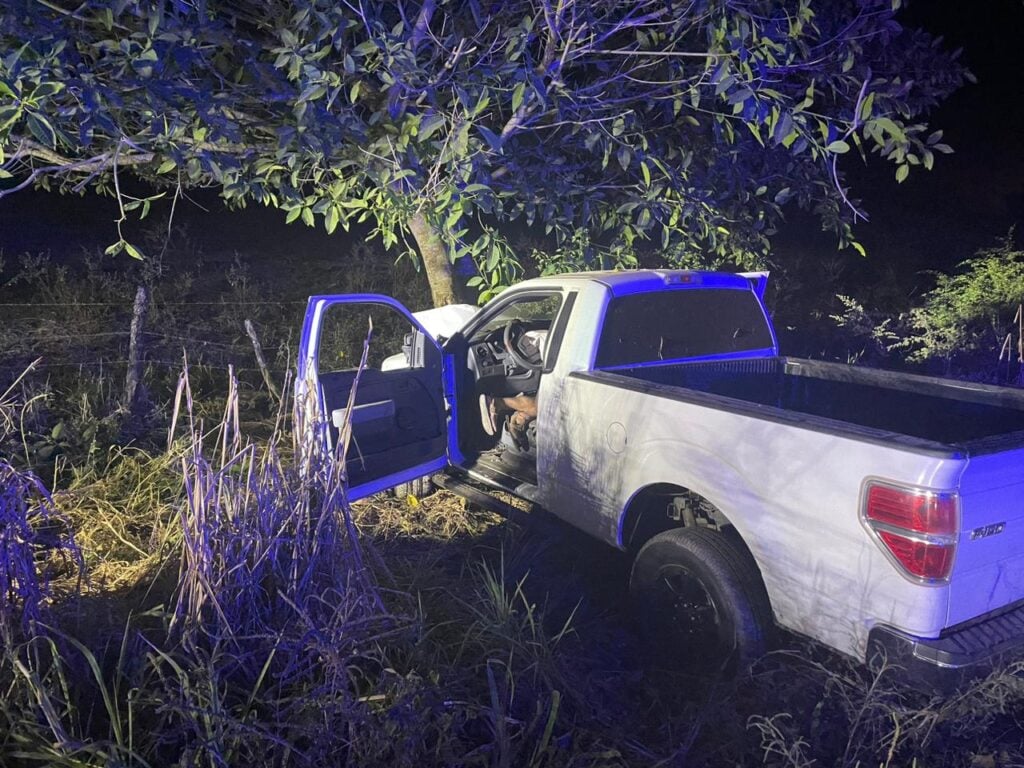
[(961, 326), (964, 320)]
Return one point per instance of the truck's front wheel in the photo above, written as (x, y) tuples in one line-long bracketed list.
[(702, 599)]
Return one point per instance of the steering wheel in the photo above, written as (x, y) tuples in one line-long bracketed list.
[(512, 336)]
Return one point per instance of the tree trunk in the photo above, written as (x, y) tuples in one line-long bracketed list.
[(445, 285)]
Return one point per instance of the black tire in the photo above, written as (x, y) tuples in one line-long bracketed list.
[(701, 600), (421, 487)]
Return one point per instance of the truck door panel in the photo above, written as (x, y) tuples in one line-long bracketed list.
[(397, 415)]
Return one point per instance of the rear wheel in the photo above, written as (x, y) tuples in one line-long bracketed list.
[(701, 599)]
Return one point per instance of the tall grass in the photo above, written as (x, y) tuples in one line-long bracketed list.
[(33, 533), (275, 644), (265, 649)]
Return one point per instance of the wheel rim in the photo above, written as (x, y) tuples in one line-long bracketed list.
[(688, 615)]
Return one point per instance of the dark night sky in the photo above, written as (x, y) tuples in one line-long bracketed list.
[(932, 220), (937, 218)]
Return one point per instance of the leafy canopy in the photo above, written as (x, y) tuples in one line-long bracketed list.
[(603, 121)]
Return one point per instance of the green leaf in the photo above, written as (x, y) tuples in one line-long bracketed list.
[(114, 249), (44, 90), (890, 127), (645, 171), (132, 251), (331, 219), (756, 133), (493, 139), (5, 90), (167, 166), (8, 115), (429, 126), (838, 147), (858, 248), (313, 92), (517, 95), (293, 214), (783, 128), (866, 106), (624, 156), (41, 129), (902, 172), (482, 103)]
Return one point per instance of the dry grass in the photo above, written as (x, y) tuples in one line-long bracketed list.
[(124, 515), (443, 516)]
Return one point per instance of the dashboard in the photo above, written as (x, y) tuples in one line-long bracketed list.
[(503, 372)]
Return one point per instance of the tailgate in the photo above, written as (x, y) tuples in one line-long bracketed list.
[(989, 570)]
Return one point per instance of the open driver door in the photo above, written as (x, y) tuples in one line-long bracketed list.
[(398, 417)]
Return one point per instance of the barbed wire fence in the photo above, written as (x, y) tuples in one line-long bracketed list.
[(213, 335)]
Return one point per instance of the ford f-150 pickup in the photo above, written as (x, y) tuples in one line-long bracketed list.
[(869, 510)]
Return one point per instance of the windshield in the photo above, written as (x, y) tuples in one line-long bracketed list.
[(533, 311), (682, 323)]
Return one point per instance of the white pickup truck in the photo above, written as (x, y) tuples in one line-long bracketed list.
[(866, 509)]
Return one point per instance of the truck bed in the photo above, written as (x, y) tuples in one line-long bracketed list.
[(931, 413)]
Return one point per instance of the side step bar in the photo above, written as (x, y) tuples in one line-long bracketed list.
[(462, 488)]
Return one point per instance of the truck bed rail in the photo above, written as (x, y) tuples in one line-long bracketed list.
[(941, 415)]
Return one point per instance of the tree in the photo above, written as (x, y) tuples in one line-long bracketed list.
[(606, 122)]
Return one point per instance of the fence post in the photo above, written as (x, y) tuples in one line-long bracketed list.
[(258, 349), (1019, 319), (134, 375)]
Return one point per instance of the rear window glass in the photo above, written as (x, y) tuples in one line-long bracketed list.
[(669, 325)]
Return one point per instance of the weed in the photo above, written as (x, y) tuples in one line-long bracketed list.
[(31, 529)]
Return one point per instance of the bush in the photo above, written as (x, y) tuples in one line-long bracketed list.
[(964, 326), (965, 319)]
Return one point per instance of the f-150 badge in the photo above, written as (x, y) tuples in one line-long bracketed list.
[(987, 530)]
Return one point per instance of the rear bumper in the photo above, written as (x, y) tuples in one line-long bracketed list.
[(957, 655)]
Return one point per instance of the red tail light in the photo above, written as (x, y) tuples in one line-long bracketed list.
[(917, 528)]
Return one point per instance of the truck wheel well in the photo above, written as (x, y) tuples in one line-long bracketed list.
[(663, 506)]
